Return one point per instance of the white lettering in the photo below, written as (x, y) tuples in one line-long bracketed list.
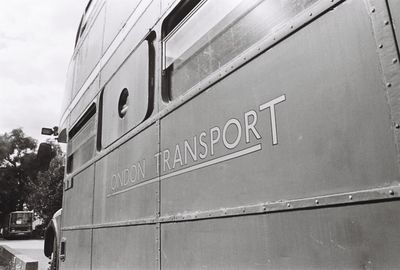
[(166, 155), (251, 126), (239, 133), (271, 105), (214, 140), (113, 182), (142, 169), (177, 157), (193, 154), (202, 143), (157, 157), (133, 173)]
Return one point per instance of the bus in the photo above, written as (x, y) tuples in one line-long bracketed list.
[(18, 224), (232, 134)]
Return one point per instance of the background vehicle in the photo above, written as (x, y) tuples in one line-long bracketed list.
[(233, 135), (18, 224), (51, 239)]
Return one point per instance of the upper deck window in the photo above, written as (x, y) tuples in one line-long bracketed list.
[(84, 21), (214, 32)]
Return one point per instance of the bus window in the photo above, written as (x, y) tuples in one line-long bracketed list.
[(127, 97), (216, 31), (81, 144)]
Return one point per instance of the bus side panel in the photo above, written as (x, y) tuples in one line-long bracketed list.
[(394, 6), (85, 101), (78, 200), (89, 53), (351, 237), (125, 248), (121, 191), (144, 19), (77, 250), (331, 118)]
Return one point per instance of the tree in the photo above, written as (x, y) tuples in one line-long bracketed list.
[(46, 196), (20, 180), (17, 164)]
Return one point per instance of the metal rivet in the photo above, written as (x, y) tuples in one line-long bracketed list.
[(388, 85), (310, 14), (397, 125), (316, 202), (380, 46), (391, 192), (386, 22), (394, 61), (350, 197), (288, 204), (372, 10)]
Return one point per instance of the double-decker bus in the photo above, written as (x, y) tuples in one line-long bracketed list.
[(232, 134), (18, 224)]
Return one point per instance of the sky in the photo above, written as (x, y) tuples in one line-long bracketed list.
[(36, 45)]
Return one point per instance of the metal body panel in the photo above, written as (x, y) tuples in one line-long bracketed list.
[(69, 84), (119, 194), (394, 6), (132, 77), (333, 127), (78, 200), (78, 250), (89, 53), (166, 4), (125, 248), (350, 237), (139, 24), (86, 101), (117, 13), (305, 150)]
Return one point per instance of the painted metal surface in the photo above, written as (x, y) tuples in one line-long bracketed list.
[(133, 78), (119, 191), (85, 102), (117, 13), (77, 250), (276, 162), (90, 52), (351, 237), (321, 145), (132, 247), (137, 27), (78, 200), (394, 6)]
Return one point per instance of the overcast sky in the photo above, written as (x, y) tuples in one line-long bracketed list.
[(36, 44)]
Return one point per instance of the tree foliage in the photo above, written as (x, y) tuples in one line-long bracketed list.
[(21, 183), (48, 187)]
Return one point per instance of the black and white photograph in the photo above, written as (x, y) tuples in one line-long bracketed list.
[(199, 134)]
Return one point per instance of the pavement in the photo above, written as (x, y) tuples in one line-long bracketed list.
[(31, 248)]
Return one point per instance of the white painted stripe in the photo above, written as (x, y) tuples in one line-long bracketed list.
[(240, 153), (135, 186), (108, 54), (214, 161)]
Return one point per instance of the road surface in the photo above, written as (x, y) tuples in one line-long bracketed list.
[(31, 248)]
